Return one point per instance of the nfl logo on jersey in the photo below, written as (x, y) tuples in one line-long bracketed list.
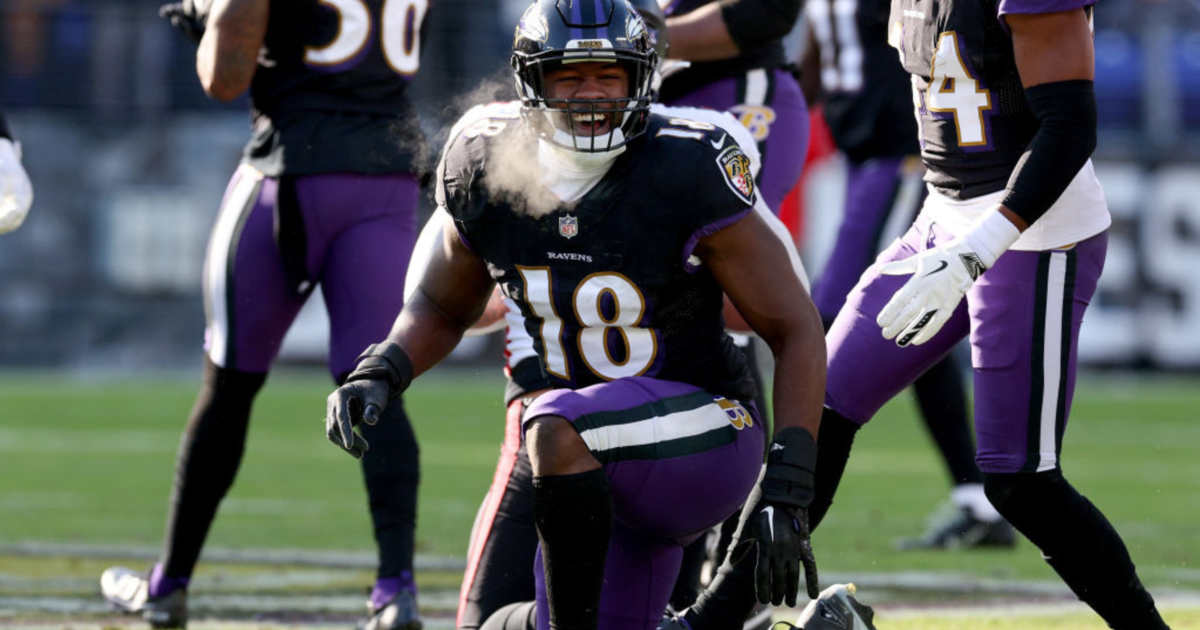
[(568, 226)]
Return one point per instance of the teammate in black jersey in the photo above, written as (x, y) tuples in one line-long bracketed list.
[(865, 95), (16, 193), (1017, 223), (736, 63), (325, 195), (615, 233)]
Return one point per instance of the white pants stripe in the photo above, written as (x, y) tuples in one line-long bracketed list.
[(237, 202), (1052, 361)]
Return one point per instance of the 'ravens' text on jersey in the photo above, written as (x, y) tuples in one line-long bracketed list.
[(608, 285)]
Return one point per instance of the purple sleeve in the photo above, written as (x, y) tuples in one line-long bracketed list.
[(1033, 7), (717, 226)]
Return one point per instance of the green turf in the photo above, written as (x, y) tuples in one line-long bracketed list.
[(91, 462)]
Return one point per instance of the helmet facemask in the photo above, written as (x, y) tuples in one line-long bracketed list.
[(559, 120)]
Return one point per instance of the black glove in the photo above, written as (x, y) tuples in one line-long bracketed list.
[(189, 16), (776, 518), (383, 372)]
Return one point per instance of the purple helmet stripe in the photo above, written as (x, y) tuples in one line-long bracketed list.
[(577, 18), (602, 16)]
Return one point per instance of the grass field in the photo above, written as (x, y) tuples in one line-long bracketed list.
[(90, 463)]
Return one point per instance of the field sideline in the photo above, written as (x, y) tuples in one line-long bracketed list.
[(88, 463)]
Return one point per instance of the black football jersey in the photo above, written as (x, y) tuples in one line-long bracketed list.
[(970, 104), (329, 93), (608, 284), (865, 91), (699, 73)]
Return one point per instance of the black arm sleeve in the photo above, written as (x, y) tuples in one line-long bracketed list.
[(4, 132), (1066, 137), (755, 23)]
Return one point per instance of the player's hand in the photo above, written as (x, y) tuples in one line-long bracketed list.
[(347, 407), (775, 519), (189, 16), (783, 548), (382, 372), (16, 193), (941, 276)]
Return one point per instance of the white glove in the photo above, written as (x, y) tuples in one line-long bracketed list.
[(16, 193), (941, 277)]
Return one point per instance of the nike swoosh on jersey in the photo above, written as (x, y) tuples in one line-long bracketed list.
[(717, 144)]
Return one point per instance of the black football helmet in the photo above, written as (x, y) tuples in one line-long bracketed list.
[(552, 32)]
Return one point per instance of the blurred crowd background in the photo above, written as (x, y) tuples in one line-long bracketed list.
[(129, 160)]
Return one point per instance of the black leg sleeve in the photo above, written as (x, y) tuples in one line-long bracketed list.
[(834, 441), (943, 401), (391, 469), (1079, 544), (574, 517), (210, 453)]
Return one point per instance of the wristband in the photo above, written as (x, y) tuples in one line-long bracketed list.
[(791, 462), (384, 362), (991, 236)]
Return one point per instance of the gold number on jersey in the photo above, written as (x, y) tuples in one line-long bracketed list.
[(400, 34), (952, 89), (540, 298), (600, 325), (628, 307)]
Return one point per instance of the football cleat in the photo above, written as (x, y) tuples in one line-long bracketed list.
[(835, 609), (959, 528), (400, 613), (129, 592)]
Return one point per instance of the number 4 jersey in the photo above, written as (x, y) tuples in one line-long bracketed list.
[(974, 121), (609, 285), (329, 93)]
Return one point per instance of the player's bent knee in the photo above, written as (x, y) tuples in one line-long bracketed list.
[(555, 447)]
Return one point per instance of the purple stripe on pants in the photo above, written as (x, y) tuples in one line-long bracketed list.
[(359, 231), (866, 370), (780, 126), (654, 500)]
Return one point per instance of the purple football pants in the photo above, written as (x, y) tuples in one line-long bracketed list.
[(769, 103), (351, 234), (662, 444), (1023, 318)]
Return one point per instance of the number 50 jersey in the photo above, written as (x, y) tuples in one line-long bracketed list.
[(608, 285)]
